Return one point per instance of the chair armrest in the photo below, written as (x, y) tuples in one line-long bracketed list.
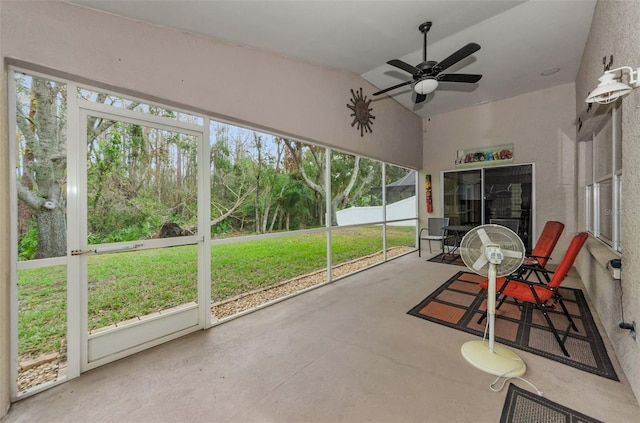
[(424, 229)]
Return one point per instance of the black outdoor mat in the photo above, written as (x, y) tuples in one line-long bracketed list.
[(448, 259), (460, 302), (522, 406)]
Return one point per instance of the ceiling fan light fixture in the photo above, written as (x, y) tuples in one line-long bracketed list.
[(426, 86)]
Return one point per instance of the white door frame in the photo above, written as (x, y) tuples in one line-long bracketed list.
[(77, 326), (114, 343)]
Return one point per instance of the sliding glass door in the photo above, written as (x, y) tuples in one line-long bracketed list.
[(507, 198), (463, 197), (501, 195)]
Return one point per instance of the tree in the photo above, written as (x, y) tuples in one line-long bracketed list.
[(293, 203), (230, 178), (41, 119), (42, 186), (310, 165), (349, 178)]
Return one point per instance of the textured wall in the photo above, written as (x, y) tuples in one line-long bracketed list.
[(615, 30), (4, 250), (541, 125)]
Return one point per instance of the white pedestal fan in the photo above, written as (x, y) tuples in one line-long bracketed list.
[(492, 251)]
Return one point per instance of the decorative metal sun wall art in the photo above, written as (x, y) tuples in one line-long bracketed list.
[(361, 112)]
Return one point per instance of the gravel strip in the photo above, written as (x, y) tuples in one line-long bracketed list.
[(256, 298), (35, 376)]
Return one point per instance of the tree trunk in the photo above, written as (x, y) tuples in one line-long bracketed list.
[(52, 236), (48, 143)]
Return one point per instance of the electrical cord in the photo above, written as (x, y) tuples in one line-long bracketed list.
[(505, 376), (616, 264), (623, 324), (621, 303), (505, 380)]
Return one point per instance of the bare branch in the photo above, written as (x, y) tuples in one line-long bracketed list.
[(298, 159), (239, 200), (30, 198)]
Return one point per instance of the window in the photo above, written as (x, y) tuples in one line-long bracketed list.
[(603, 181)]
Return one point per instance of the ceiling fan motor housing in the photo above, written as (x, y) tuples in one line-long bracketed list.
[(427, 67)]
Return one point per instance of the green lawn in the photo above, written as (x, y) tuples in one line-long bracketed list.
[(126, 285)]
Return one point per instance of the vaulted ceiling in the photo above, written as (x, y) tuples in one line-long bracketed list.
[(520, 41)]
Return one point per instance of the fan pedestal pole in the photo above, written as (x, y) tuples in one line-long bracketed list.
[(493, 359)]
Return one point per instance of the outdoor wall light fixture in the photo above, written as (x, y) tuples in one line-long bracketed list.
[(426, 86), (611, 86)]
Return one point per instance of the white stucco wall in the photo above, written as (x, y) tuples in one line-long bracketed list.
[(615, 30), (4, 247), (540, 125)]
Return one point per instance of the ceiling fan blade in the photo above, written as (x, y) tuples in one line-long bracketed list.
[(420, 98), (404, 66), (465, 51), (459, 77), (393, 88)]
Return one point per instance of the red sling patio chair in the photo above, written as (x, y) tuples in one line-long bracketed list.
[(539, 294), (536, 262)]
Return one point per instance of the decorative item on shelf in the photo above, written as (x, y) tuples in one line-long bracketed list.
[(611, 86), (361, 112), (498, 154), (427, 187)]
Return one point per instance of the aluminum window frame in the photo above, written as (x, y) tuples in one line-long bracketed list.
[(593, 198)]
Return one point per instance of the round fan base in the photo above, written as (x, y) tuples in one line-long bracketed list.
[(501, 362)]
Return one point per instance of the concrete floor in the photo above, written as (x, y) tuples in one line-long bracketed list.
[(346, 352)]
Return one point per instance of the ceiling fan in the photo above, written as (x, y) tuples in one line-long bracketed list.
[(427, 74)]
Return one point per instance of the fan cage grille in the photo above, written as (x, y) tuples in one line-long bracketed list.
[(472, 248)]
